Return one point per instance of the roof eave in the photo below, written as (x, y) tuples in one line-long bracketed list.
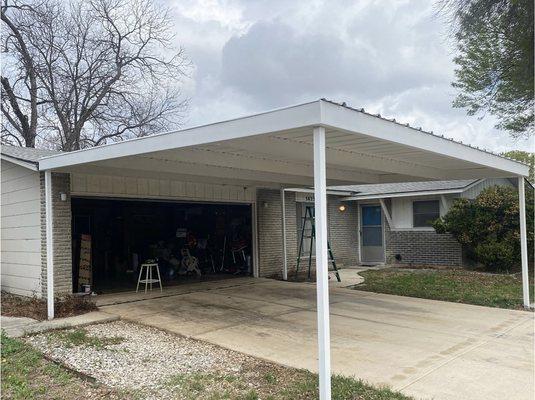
[(404, 194), (33, 165)]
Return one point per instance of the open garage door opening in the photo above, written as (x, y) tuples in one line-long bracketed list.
[(189, 242)]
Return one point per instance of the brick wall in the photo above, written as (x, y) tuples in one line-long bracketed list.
[(61, 211), (422, 248), (343, 233), (270, 231)]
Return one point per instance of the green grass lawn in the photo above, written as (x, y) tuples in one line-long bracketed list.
[(278, 384), (460, 286)]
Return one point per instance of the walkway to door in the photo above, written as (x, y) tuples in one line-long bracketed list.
[(425, 348)]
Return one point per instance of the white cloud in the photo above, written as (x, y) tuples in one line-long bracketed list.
[(392, 57)]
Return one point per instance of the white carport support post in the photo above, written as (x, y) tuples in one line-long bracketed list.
[(322, 279), (49, 245), (283, 222), (523, 240)]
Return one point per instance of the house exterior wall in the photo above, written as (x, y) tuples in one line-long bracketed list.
[(407, 245), (21, 230), (342, 230), (270, 258), (23, 251), (402, 206), (124, 187), (472, 192), (401, 209), (416, 247), (61, 211)]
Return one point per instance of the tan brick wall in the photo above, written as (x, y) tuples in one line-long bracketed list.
[(61, 211), (270, 231), (343, 233)]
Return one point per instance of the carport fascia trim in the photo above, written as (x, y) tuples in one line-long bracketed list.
[(316, 113), (293, 117), (343, 118)]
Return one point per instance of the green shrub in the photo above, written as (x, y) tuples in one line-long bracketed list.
[(489, 227)]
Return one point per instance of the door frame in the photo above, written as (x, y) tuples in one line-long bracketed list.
[(360, 232)]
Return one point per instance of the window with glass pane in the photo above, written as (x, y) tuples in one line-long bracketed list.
[(424, 213)]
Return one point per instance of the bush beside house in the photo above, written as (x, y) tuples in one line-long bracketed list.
[(489, 227)]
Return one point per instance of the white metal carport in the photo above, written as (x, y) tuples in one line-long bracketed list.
[(316, 143)]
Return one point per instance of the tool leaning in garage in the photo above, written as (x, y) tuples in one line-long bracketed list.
[(310, 233)]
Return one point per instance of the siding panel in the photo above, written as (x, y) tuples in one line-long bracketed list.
[(29, 219), (20, 196), (24, 182), (158, 188), (16, 172), (22, 208), (21, 285), (26, 245), (21, 233), (476, 189), (20, 253), (26, 271)]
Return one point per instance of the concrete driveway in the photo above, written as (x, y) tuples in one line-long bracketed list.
[(428, 349)]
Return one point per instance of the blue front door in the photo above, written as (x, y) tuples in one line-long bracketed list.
[(371, 234)]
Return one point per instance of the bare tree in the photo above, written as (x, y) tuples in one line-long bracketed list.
[(105, 70), (19, 95)]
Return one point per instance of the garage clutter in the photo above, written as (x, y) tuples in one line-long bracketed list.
[(188, 241)]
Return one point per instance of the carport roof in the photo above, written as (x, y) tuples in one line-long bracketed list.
[(275, 147)]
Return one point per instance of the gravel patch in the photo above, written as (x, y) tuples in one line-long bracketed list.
[(141, 358)]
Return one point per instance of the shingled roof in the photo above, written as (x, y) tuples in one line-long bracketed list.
[(386, 189), (26, 154)]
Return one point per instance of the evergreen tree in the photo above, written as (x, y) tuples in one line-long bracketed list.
[(495, 60)]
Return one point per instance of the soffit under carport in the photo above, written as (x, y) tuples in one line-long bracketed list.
[(350, 158)]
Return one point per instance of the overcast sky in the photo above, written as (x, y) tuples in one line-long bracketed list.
[(392, 57)]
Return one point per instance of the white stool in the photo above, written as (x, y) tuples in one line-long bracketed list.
[(148, 276)]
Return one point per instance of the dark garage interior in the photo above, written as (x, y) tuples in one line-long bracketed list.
[(189, 241)]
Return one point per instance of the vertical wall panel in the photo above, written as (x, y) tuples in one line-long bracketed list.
[(20, 250), (159, 188)]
